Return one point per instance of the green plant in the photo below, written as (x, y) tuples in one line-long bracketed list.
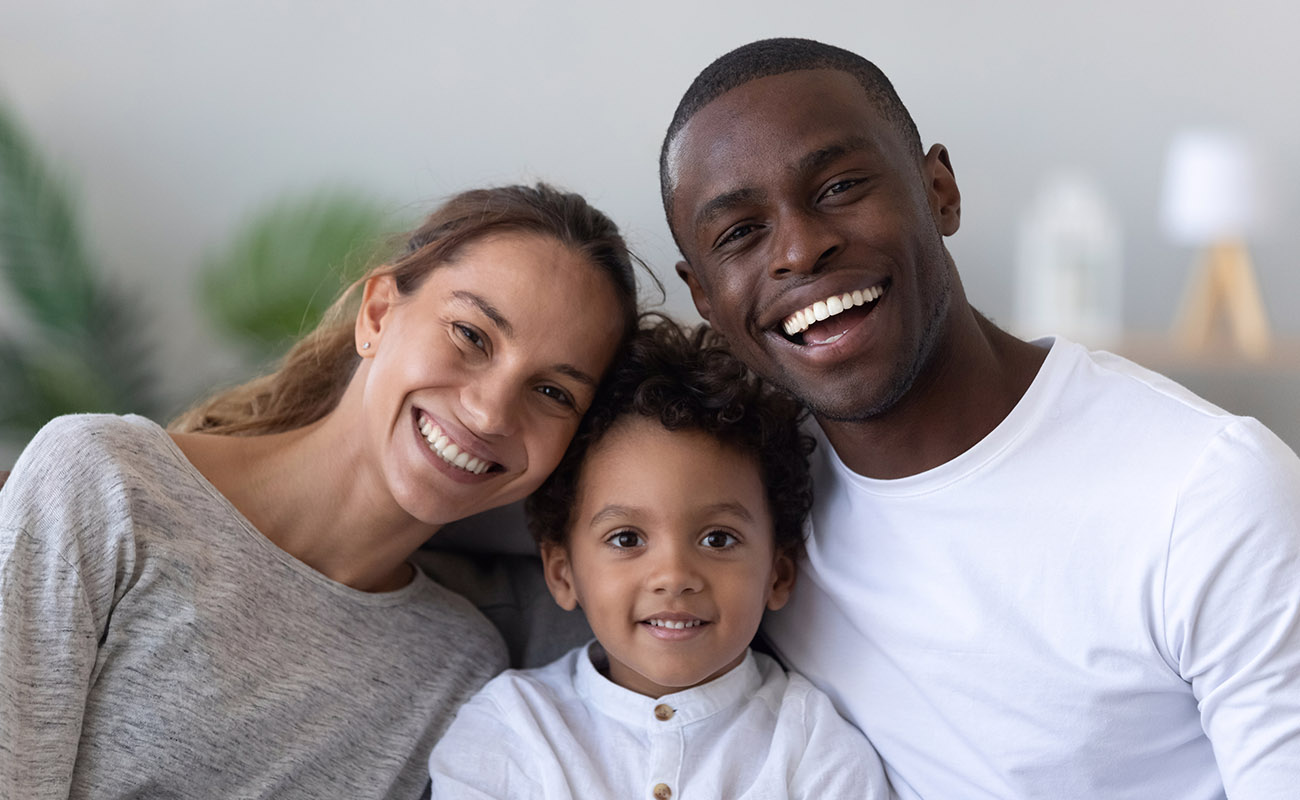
[(75, 343), (284, 267)]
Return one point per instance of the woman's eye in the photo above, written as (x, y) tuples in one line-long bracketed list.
[(718, 540), (558, 395), (625, 539), (469, 334)]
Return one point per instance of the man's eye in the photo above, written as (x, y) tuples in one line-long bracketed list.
[(736, 234), (718, 540), (471, 335), (839, 187), (625, 539)]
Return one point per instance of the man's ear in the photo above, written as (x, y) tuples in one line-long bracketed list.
[(687, 274), (377, 302), (783, 577), (941, 186), (558, 572)]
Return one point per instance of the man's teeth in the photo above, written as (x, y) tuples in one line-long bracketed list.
[(448, 451), (799, 321), (675, 624)]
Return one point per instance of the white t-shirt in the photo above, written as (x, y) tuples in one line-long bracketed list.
[(1097, 600), (567, 731)]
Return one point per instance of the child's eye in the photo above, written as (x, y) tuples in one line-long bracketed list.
[(625, 539), (719, 540)]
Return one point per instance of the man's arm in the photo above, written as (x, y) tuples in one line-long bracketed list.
[(4, 476), (1232, 606)]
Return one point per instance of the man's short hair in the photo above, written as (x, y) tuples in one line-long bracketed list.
[(687, 380), (776, 57)]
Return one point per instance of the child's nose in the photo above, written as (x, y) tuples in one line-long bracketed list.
[(676, 572)]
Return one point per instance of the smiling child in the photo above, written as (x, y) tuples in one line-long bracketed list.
[(674, 521)]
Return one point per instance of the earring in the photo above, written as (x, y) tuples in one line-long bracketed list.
[(365, 345)]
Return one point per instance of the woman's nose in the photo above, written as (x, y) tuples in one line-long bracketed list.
[(491, 406)]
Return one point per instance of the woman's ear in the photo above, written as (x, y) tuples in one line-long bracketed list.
[(783, 577), (559, 575), (377, 302)]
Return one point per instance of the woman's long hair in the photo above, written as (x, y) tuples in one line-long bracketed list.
[(314, 374)]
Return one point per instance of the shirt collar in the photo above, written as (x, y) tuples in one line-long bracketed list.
[(688, 705)]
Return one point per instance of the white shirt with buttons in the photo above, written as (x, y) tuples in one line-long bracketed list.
[(565, 731)]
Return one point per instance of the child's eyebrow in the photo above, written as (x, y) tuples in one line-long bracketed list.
[(615, 511), (737, 509)]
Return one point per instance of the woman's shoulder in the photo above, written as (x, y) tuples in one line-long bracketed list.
[(91, 435), (81, 464)]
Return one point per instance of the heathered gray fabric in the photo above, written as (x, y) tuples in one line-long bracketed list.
[(153, 644)]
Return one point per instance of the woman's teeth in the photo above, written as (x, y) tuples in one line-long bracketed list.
[(799, 321), (448, 451), (675, 624)]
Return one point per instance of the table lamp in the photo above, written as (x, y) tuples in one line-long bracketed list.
[(1208, 202)]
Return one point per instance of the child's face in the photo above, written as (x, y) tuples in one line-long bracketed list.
[(669, 529)]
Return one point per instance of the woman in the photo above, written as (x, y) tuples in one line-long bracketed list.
[(228, 609)]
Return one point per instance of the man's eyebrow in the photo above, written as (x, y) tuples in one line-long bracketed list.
[(490, 311), (725, 202), (810, 162), (824, 155)]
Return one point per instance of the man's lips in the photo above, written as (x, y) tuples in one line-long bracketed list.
[(831, 306)]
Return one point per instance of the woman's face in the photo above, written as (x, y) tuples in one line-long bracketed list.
[(475, 383)]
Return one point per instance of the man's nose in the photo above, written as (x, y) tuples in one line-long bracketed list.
[(804, 243)]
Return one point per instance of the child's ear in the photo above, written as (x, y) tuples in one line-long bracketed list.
[(559, 575), (783, 576)]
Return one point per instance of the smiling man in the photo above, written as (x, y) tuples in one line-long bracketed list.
[(1033, 570)]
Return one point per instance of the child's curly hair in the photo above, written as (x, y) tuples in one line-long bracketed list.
[(687, 380)]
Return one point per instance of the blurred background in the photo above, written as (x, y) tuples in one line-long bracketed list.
[(180, 178)]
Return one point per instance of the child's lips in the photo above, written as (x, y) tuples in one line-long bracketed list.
[(674, 626)]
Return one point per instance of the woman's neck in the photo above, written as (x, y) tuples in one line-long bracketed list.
[(315, 495)]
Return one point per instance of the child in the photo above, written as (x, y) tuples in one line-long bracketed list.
[(673, 521)]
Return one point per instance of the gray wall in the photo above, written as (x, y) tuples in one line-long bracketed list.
[(177, 118)]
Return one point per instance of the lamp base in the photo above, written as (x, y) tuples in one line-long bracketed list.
[(1224, 283)]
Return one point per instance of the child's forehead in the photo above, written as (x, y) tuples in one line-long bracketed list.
[(642, 464), (631, 434)]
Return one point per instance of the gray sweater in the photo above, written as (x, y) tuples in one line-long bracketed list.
[(154, 644)]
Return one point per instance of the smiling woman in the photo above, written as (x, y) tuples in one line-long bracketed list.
[(229, 608)]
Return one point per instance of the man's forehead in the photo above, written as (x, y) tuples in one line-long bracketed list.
[(796, 121)]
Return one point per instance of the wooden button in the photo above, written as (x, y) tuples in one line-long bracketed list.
[(662, 792), (663, 713)]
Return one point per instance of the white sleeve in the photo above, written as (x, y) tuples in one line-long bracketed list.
[(1232, 606), (481, 756), (838, 763)]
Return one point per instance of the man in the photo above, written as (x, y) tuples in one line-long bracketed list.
[(1034, 571)]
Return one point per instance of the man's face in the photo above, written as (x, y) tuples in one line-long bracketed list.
[(812, 233)]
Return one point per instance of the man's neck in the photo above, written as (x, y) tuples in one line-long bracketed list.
[(972, 382)]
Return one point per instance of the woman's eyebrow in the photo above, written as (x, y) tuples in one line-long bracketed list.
[(493, 313), (490, 311)]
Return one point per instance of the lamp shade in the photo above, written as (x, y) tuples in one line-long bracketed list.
[(1209, 188)]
